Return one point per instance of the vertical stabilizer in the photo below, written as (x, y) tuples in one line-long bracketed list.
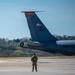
[(38, 30)]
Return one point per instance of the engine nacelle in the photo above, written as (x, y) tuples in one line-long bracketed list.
[(22, 44), (35, 44)]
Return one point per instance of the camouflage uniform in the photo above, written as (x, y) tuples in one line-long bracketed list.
[(34, 62)]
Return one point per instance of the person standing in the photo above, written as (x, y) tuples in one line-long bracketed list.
[(34, 59)]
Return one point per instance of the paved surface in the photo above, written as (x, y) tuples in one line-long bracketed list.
[(45, 67)]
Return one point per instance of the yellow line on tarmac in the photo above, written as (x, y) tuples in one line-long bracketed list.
[(8, 65)]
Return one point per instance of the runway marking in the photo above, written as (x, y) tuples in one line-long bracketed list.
[(8, 65)]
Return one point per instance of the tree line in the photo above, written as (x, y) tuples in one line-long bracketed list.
[(11, 48)]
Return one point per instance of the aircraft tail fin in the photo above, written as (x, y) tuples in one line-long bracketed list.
[(38, 30)]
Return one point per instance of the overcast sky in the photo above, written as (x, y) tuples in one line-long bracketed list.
[(59, 17)]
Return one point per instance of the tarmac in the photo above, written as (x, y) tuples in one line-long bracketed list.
[(46, 66)]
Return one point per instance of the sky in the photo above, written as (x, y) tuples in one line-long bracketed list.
[(58, 17)]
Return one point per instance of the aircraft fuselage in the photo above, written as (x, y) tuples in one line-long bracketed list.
[(66, 47)]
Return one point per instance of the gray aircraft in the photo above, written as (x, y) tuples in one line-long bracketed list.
[(43, 40)]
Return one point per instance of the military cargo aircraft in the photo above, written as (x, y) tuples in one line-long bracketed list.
[(43, 40)]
